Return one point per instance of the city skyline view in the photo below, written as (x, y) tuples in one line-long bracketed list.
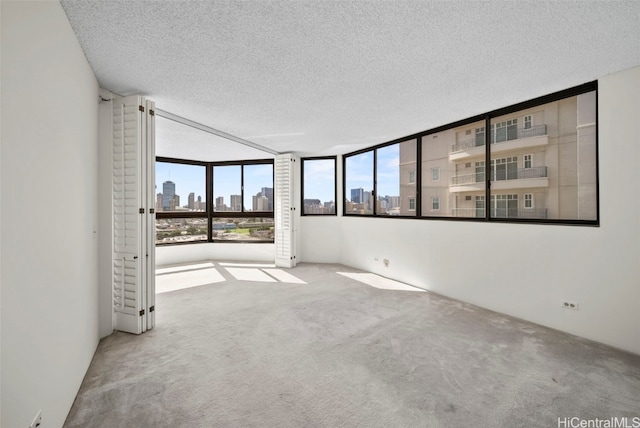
[(226, 181)]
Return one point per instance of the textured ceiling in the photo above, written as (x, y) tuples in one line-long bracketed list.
[(328, 77)]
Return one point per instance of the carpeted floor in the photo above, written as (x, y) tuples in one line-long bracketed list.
[(330, 351)]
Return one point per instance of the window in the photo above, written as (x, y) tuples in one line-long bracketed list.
[(504, 206), (358, 181), (565, 174), (227, 188), (180, 187), (258, 187), (528, 200), (318, 186), (412, 204), (388, 194), (435, 203), (499, 181), (242, 229), (186, 191)]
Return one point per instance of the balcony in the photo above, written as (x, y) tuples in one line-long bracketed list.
[(520, 178), (504, 140), (530, 213)]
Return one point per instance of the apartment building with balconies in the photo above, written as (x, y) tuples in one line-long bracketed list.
[(542, 165)]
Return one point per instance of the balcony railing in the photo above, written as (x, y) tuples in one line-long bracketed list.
[(503, 174), (501, 136), (534, 213)]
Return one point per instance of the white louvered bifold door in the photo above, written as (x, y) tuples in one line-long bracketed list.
[(149, 187), (284, 211), (130, 214)]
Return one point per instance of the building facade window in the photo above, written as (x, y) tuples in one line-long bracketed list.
[(528, 122), (412, 176), (528, 201), (435, 174), (435, 203), (528, 161), (412, 204), (318, 186)]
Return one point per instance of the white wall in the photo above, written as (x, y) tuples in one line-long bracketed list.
[(525, 270), (49, 214), (168, 255), (105, 214)]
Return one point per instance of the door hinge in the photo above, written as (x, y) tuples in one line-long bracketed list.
[(141, 210), (152, 210), (141, 312), (140, 108), (152, 308), (152, 113)]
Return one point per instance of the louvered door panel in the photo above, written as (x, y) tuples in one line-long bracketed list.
[(127, 221), (284, 211)]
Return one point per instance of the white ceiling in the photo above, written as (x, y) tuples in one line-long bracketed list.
[(329, 77)]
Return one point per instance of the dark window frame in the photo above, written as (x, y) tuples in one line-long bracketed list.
[(335, 185), (374, 193), (486, 118), (209, 213)]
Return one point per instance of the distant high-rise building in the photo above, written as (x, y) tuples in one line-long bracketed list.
[(220, 203), (191, 203), (174, 203), (159, 202), (267, 192), (357, 195), (199, 205), (260, 203), (168, 192), (236, 203)]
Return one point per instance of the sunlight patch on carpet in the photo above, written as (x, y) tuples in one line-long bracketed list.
[(181, 280), (378, 281), (247, 274), (249, 265), (283, 276), (173, 269)]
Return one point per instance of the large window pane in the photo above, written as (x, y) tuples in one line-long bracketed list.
[(227, 188), (543, 161), (319, 186), (359, 184), (243, 229), (180, 230), (453, 180), (396, 184), (258, 187), (180, 187)]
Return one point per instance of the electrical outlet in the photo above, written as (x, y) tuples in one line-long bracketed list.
[(386, 262), (37, 421), (570, 305)]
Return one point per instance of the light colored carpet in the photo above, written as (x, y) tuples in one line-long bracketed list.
[(335, 352)]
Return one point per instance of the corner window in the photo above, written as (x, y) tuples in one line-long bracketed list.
[(184, 214)]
